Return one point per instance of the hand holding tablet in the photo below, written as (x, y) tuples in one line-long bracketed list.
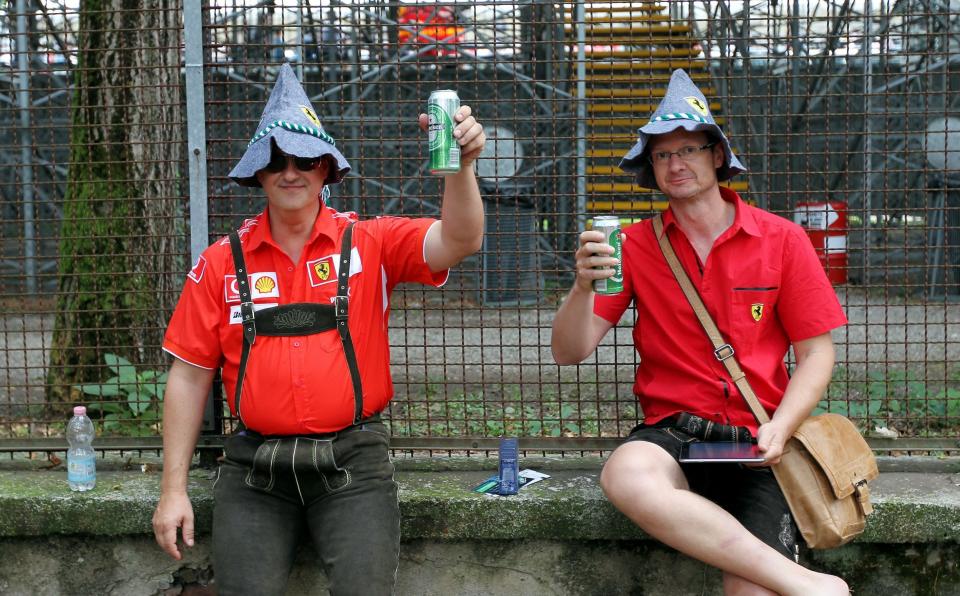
[(720, 452)]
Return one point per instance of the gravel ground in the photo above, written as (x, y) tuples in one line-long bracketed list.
[(486, 347)]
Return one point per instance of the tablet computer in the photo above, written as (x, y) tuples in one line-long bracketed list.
[(720, 452)]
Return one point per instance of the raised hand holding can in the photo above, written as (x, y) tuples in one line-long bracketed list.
[(609, 225), (442, 105)]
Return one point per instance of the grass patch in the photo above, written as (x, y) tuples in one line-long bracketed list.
[(500, 411), (899, 400)]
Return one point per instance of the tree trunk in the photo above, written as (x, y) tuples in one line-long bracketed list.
[(120, 271)]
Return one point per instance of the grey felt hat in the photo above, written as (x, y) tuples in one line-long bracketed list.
[(683, 106), (289, 122)]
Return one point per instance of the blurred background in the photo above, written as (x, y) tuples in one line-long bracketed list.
[(120, 124)]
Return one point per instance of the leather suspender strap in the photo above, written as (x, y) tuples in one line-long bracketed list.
[(248, 318), (723, 351), (341, 309)]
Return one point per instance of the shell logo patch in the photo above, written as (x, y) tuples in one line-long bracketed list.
[(698, 105), (262, 285), (311, 116), (265, 285), (756, 310)]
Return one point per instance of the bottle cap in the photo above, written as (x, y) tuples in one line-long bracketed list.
[(80, 410)]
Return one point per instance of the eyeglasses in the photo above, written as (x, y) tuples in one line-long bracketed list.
[(278, 163), (685, 153)]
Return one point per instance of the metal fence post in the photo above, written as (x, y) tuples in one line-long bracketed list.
[(581, 185), (26, 152), (197, 157)]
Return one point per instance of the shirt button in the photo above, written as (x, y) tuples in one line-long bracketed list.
[(289, 268), (296, 344)]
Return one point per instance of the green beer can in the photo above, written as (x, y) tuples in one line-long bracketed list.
[(444, 150), (610, 226)]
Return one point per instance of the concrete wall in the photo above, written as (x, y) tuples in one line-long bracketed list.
[(134, 566), (559, 536)]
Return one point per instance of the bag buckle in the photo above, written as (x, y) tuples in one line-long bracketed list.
[(723, 352), (863, 496)]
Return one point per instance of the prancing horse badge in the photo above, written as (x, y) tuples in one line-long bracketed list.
[(322, 269), (757, 311)]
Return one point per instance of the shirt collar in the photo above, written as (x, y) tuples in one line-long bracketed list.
[(324, 225), (742, 220)]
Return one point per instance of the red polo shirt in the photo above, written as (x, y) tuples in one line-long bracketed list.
[(762, 284), (299, 385)]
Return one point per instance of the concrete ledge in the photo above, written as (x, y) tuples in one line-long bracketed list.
[(436, 502), (913, 538)]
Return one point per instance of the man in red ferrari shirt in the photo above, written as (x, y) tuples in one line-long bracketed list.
[(763, 285), (293, 308)]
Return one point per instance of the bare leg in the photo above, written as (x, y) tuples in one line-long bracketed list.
[(648, 486), (734, 585)]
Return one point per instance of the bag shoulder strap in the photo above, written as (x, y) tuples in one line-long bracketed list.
[(723, 351)]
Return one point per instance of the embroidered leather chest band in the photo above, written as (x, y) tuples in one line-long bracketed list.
[(301, 318)]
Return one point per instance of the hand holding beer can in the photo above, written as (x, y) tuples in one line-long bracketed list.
[(609, 225), (444, 150)]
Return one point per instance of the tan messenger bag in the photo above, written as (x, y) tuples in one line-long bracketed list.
[(823, 473), (825, 466)]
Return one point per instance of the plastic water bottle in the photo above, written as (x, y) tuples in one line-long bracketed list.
[(509, 466), (81, 458)]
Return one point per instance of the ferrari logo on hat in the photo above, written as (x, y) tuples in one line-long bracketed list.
[(697, 104), (310, 115), (757, 311), (323, 270)]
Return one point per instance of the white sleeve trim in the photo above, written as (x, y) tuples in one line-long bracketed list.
[(446, 276), (425, 240), (182, 359)]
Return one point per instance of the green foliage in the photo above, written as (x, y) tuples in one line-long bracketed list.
[(895, 399), (901, 400), (493, 413), (130, 400)]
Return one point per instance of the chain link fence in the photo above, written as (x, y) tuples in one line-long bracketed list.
[(120, 125)]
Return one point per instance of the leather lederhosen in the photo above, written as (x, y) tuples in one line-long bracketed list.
[(298, 319)]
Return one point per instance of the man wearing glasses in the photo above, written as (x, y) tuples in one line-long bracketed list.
[(293, 309), (763, 285)]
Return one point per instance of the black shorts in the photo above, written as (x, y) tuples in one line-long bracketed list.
[(749, 494)]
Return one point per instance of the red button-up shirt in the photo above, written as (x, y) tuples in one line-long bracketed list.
[(300, 385), (762, 284)]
